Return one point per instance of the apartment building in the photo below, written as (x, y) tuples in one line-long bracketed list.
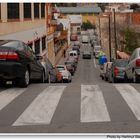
[(25, 22)]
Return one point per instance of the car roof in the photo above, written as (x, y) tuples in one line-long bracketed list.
[(73, 51), (9, 43)]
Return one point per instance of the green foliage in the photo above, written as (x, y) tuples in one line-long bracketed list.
[(131, 40), (134, 6), (87, 25)]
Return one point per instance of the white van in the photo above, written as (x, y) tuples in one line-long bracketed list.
[(74, 54)]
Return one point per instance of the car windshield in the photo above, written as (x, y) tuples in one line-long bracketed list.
[(121, 63), (68, 62), (61, 68)]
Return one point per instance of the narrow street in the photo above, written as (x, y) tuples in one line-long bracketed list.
[(87, 105)]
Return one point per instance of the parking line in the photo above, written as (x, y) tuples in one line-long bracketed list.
[(93, 107), (9, 95), (41, 110), (131, 96)]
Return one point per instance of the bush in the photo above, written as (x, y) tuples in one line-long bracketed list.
[(87, 25), (131, 40)]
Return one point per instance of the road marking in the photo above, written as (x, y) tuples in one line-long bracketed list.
[(9, 95), (41, 110), (93, 107), (95, 63), (131, 96)]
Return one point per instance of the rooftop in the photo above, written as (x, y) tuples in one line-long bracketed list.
[(82, 10)]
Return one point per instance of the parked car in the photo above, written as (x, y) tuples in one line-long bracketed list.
[(51, 72), (86, 55), (19, 64), (70, 68), (106, 70), (59, 76), (117, 70), (71, 61), (132, 71), (76, 48), (96, 50), (74, 37), (74, 54), (65, 73)]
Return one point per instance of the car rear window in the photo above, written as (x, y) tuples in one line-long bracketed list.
[(60, 68), (121, 63), (14, 44)]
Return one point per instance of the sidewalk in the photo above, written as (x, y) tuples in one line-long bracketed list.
[(62, 60)]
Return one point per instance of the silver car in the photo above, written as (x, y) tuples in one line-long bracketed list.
[(132, 71)]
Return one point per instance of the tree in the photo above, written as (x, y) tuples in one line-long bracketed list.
[(87, 25), (131, 40), (134, 6)]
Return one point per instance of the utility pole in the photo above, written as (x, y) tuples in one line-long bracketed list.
[(109, 30), (100, 29), (115, 36)]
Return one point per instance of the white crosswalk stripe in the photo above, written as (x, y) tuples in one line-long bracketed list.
[(41, 110), (93, 107), (131, 96), (9, 95)]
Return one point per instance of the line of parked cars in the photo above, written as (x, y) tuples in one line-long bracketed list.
[(19, 64), (68, 69), (123, 69)]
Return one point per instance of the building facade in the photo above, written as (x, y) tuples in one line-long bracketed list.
[(25, 22)]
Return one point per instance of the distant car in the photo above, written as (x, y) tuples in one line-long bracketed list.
[(76, 48), (106, 70), (132, 71), (19, 64), (71, 61), (117, 71), (51, 73), (74, 54), (96, 51), (65, 73), (86, 55), (73, 37)]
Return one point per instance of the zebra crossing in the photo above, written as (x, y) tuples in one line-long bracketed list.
[(93, 107)]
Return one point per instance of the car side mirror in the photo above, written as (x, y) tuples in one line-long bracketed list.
[(38, 57)]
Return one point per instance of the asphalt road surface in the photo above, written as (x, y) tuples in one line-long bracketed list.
[(87, 105)]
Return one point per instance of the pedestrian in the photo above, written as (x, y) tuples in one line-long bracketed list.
[(64, 53)]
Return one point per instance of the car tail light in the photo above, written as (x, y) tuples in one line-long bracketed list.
[(116, 71), (138, 62), (9, 55)]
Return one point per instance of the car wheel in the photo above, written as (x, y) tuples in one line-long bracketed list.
[(25, 80), (2, 83), (135, 78), (42, 79), (125, 78), (114, 80)]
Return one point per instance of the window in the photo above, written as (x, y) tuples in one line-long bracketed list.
[(30, 45), (37, 46), (13, 10), (27, 10), (36, 10), (43, 43), (42, 10), (0, 11)]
